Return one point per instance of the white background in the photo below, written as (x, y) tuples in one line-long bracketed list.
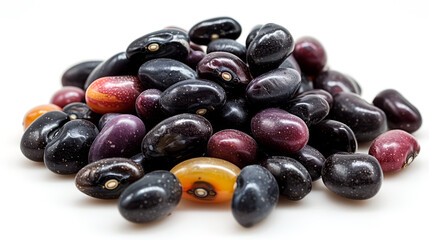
[(382, 44)]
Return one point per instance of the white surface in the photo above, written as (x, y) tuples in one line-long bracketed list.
[(382, 44)]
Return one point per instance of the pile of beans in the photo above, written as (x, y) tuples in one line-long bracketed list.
[(197, 115)]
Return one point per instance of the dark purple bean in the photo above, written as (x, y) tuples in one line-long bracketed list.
[(194, 58), (228, 45), (400, 113), (273, 88), (235, 114), (279, 130), (355, 176), (226, 69), (175, 139), (166, 43), (252, 34), (120, 137), (36, 136), (108, 178), (366, 120), (152, 197), (148, 107), (221, 27), (117, 65), (310, 55), (306, 84), (311, 159), (81, 111), (67, 151), (330, 136), (255, 196), (310, 108), (270, 47), (161, 73), (192, 96), (335, 82), (105, 119), (320, 92), (290, 62), (77, 74), (292, 177)]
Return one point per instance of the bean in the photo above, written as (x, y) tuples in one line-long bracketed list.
[(311, 159), (310, 54), (36, 112), (148, 107), (320, 92), (81, 111), (252, 34), (77, 74), (255, 197), (227, 45), (214, 28), (290, 62), (234, 114), (335, 82), (68, 95), (105, 119), (151, 198), (310, 108)]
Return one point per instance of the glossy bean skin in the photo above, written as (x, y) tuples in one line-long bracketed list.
[(228, 45), (235, 114), (335, 82), (400, 113), (67, 151), (292, 177), (77, 74), (311, 55), (165, 43), (270, 47), (139, 159), (81, 111), (192, 96), (279, 130), (310, 108), (152, 197), (194, 58), (306, 84), (290, 62), (117, 65), (352, 175), (113, 94), (221, 27), (330, 136), (105, 119), (148, 107), (36, 112), (36, 136), (68, 95), (252, 34), (175, 139), (234, 146), (120, 137), (311, 159), (366, 120), (255, 197), (394, 150), (108, 178), (320, 92), (226, 69), (207, 180), (273, 88), (161, 73)]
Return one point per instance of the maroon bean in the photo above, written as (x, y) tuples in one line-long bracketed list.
[(394, 150), (310, 55), (148, 108), (68, 95), (335, 82)]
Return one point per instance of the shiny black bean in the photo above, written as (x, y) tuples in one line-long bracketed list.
[(252, 34), (36, 136), (151, 198), (81, 111), (117, 65), (290, 62), (273, 88), (292, 177), (335, 82), (226, 69), (355, 176), (270, 47), (175, 139), (320, 92), (310, 108), (311, 159), (166, 43), (255, 196), (105, 119), (366, 120), (306, 84), (76, 75), (194, 58), (400, 113), (67, 151), (161, 73), (192, 96), (228, 45), (108, 178), (214, 28), (330, 136), (234, 114)]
